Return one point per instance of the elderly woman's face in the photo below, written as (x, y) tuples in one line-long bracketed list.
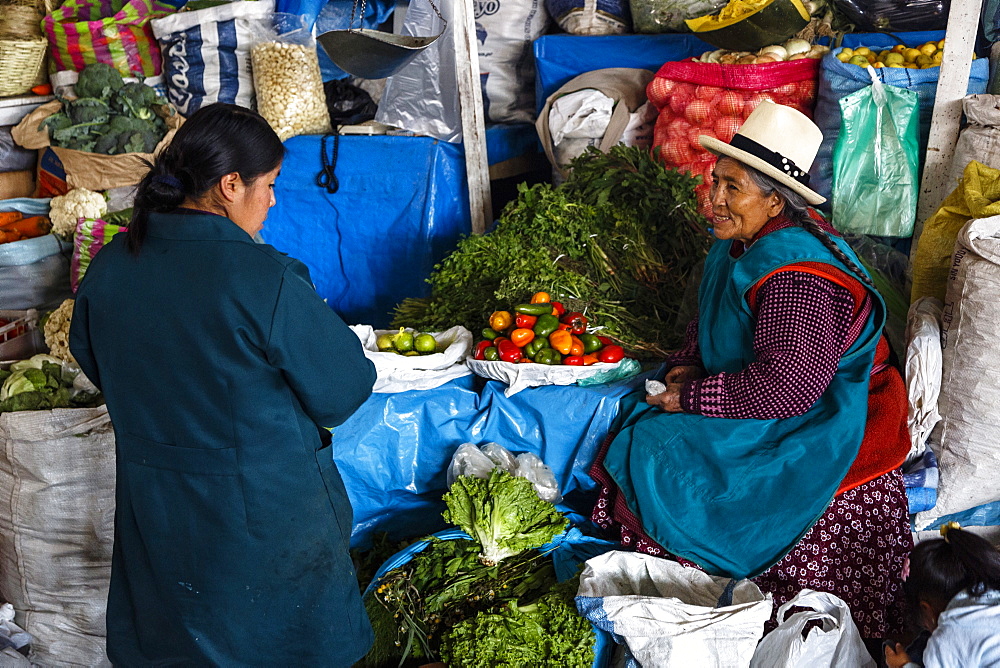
[(739, 207)]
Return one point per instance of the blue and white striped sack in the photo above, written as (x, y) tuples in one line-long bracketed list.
[(206, 53), (671, 616), (920, 478)]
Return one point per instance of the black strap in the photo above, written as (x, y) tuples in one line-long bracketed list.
[(773, 158), (327, 178)]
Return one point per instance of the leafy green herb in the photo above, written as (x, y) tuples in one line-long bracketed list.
[(619, 241)]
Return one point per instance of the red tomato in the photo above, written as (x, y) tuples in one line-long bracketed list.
[(611, 354), (573, 360)]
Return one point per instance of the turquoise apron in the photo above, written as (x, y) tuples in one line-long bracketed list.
[(736, 495)]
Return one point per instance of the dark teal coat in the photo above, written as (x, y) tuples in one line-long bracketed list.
[(220, 363)]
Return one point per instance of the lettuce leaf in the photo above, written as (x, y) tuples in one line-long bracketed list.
[(503, 514)]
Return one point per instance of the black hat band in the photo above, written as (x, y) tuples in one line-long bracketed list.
[(773, 158)]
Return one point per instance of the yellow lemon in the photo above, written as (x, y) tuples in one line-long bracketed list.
[(910, 55), (878, 65), (928, 49), (862, 51), (897, 66), (941, 44), (882, 55), (894, 58), (899, 48), (938, 55), (844, 55)]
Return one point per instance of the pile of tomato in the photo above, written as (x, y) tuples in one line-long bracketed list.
[(543, 332)]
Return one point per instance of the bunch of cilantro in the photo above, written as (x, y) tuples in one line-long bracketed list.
[(108, 115), (620, 241), (490, 601)]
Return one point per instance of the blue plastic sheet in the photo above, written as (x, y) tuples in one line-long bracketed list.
[(837, 80), (559, 58), (401, 207), (569, 551), (393, 453), (507, 141)]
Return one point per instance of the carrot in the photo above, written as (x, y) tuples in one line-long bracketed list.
[(6, 236), (7, 217), (42, 89), (27, 228)]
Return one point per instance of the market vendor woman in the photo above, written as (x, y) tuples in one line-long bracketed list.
[(775, 450), (221, 367)]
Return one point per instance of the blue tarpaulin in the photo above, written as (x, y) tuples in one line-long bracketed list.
[(393, 453), (401, 207), (559, 58)]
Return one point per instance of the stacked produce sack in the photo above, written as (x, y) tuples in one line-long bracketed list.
[(713, 95), (839, 78)]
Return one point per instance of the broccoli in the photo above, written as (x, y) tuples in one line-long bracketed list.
[(57, 121), (135, 99), (88, 110), (107, 144), (119, 124), (98, 80), (137, 142)]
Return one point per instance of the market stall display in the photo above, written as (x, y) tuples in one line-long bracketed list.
[(406, 360), (617, 242), (485, 597), (34, 271)]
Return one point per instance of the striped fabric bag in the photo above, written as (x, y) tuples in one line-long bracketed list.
[(115, 32), (91, 236)]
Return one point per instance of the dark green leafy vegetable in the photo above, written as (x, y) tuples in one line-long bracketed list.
[(98, 80), (88, 110), (618, 241), (548, 632), (39, 384)]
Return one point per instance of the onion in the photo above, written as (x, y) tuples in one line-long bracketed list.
[(746, 60), (766, 58), (802, 56), (776, 50), (794, 46), (714, 56)]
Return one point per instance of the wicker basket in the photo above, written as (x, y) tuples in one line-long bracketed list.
[(20, 61)]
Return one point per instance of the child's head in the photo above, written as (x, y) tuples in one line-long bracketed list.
[(941, 568)]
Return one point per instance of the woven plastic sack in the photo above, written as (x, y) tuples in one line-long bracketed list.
[(980, 139), (837, 80), (875, 160), (656, 16), (977, 196), (713, 99), (33, 272), (115, 32), (57, 506), (91, 236), (965, 440)]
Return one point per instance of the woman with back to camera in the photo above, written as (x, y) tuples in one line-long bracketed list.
[(221, 366)]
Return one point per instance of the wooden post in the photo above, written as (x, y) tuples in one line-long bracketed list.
[(963, 24), (470, 96)]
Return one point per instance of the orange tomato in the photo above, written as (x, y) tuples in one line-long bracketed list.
[(540, 298)]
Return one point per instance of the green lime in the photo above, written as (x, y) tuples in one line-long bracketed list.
[(384, 342), (403, 341), (425, 343), (411, 353)]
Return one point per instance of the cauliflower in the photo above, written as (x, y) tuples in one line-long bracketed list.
[(56, 329), (78, 203)]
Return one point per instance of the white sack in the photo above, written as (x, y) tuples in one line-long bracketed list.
[(505, 31), (980, 140), (833, 644), (923, 371), (57, 506), (399, 373), (969, 454), (665, 613)]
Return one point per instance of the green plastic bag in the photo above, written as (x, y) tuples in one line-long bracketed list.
[(875, 161)]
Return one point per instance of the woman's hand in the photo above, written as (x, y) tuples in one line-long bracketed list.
[(669, 401), (895, 655), (683, 374)]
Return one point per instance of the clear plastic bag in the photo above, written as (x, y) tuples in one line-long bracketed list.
[(656, 16), (287, 79), (480, 462), (895, 15)]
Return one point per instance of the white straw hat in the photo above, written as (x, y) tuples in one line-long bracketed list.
[(777, 140)]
